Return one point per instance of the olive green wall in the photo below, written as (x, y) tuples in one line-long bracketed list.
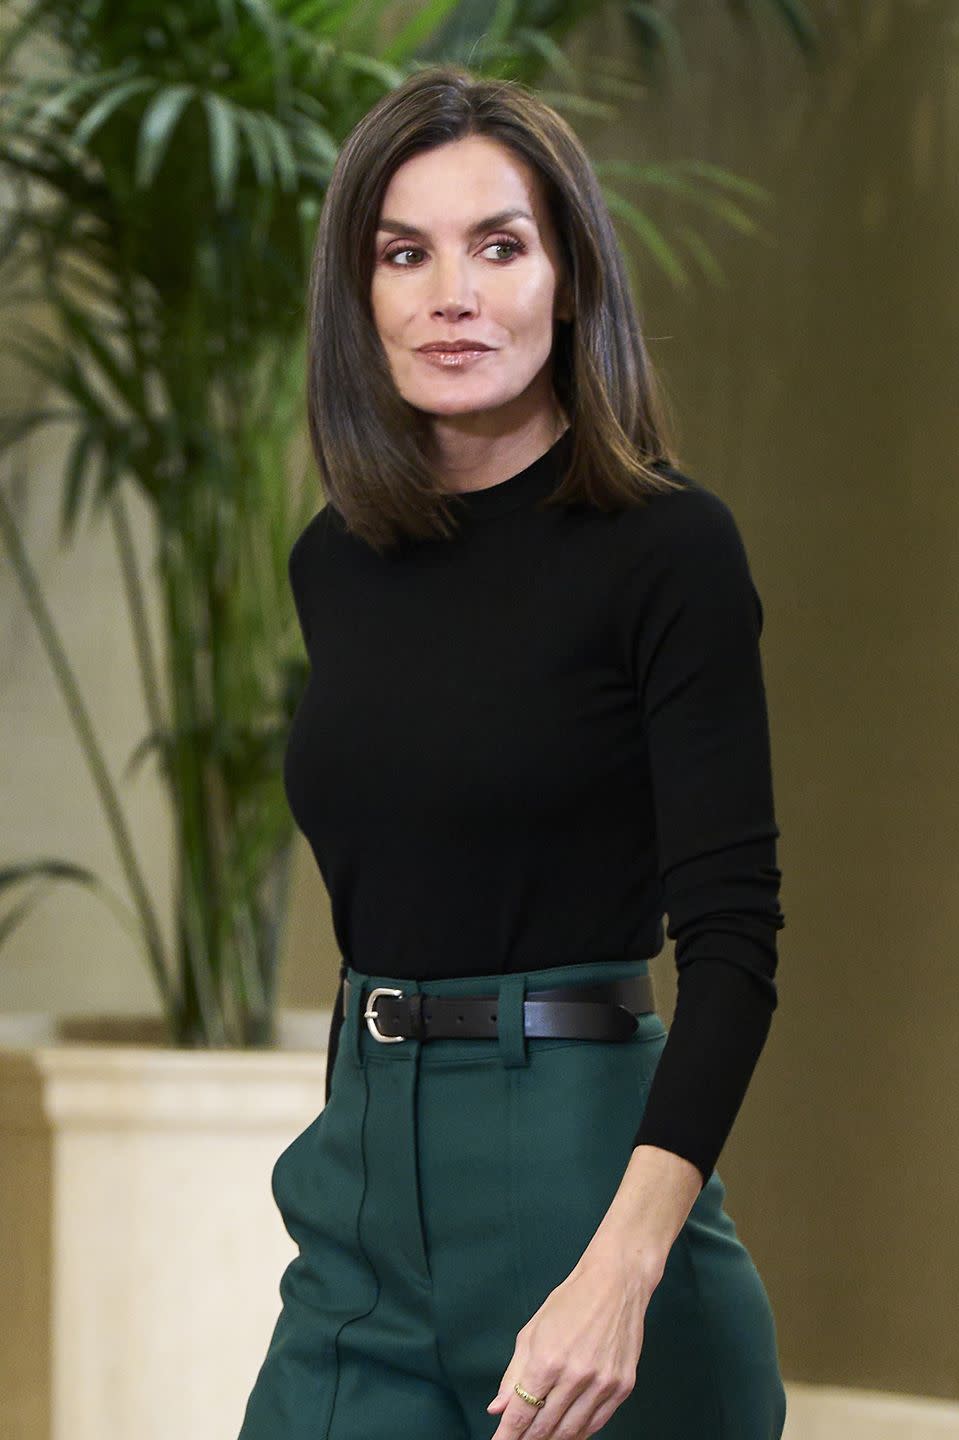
[(817, 393)]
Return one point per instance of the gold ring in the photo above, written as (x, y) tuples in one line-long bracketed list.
[(530, 1399)]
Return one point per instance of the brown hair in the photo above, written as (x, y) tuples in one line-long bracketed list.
[(372, 448)]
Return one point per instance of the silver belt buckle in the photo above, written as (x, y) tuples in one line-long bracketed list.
[(369, 1015)]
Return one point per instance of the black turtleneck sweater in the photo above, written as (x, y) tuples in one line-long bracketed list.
[(521, 747)]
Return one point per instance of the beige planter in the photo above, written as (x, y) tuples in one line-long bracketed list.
[(140, 1246)]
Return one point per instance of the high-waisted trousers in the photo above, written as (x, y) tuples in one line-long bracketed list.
[(447, 1186)]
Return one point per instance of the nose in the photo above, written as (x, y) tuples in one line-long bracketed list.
[(453, 311), (454, 289)]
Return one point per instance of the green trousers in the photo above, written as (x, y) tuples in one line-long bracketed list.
[(444, 1190)]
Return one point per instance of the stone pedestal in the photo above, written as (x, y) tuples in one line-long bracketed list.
[(140, 1245)]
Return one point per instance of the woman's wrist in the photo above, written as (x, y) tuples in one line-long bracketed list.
[(655, 1196)]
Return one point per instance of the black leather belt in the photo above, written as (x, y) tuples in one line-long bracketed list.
[(604, 1011)]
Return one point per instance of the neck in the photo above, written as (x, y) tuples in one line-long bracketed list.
[(484, 460)]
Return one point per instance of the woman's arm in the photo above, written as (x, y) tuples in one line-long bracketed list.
[(647, 1212), (693, 622)]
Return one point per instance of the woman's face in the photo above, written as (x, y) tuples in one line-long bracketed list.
[(441, 275)]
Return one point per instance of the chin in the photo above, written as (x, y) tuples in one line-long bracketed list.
[(453, 400)]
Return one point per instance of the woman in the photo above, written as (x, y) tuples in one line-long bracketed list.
[(535, 721)]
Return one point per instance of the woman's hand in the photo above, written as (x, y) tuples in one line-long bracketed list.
[(579, 1351)]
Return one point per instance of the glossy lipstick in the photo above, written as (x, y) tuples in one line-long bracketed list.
[(452, 359)]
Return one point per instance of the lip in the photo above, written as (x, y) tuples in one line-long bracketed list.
[(452, 359), (454, 347)]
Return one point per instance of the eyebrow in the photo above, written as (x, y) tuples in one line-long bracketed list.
[(491, 222)]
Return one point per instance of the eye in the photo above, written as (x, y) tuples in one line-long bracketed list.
[(502, 242)]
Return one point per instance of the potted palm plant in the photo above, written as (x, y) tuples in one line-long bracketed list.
[(165, 167)]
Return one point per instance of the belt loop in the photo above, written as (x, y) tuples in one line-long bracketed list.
[(509, 1020), (352, 1019)]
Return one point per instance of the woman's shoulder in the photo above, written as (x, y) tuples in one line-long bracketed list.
[(312, 554), (692, 493), (683, 520), (318, 533)]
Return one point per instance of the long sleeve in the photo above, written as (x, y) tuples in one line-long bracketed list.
[(701, 690)]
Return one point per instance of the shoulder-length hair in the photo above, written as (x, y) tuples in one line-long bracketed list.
[(372, 448)]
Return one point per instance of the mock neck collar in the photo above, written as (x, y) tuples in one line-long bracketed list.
[(536, 480)]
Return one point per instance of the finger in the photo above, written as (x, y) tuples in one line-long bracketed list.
[(520, 1418), (503, 1395), (581, 1419), (516, 1420), (517, 1366), (519, 1415), (505, 1388), (588, 1413)]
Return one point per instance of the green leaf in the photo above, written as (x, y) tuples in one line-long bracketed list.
[(388, 74), (228, 16), (258, 140), (127, 384), (701, 252), (660, 36), (265, 18), (37, 350), (64, 95), (318, 140), (26, 24), (578, 104), (504, 18), (729, 179), (283, 150), (801, 22), (670, 177), (22, 870), (75, 472), (13, 428), (47, 869), (105, 106), (156, 130), (310, 105), (650, 234), (543, 45), (408, 39), (224, 147), (20, 911)]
